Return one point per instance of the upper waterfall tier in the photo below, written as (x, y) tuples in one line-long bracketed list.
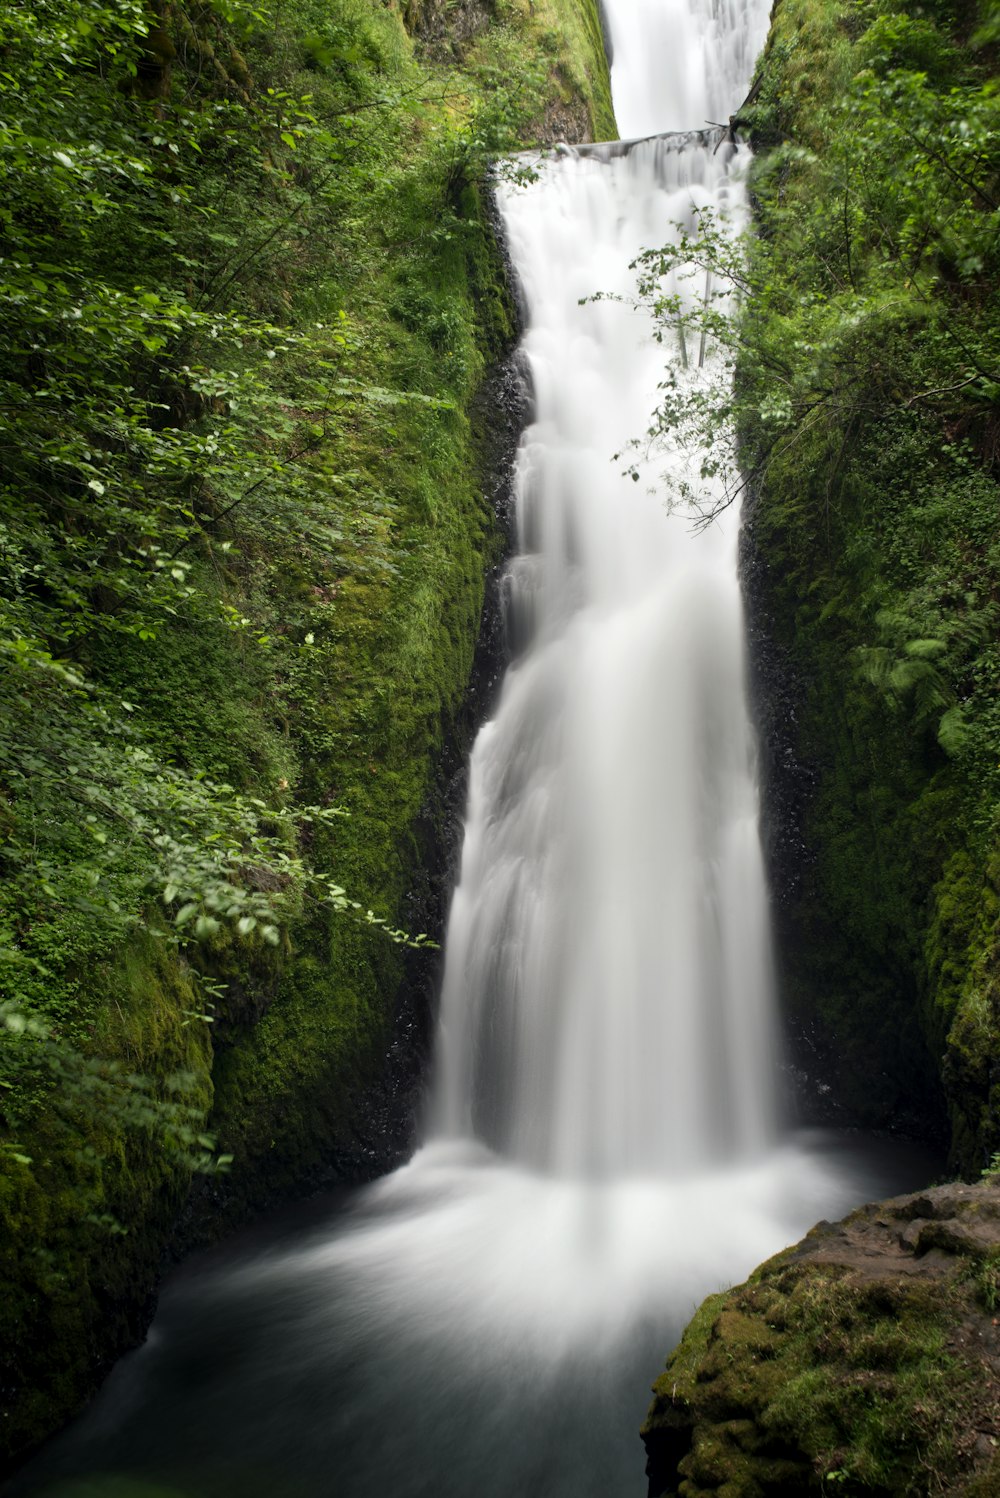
[(677, 63)]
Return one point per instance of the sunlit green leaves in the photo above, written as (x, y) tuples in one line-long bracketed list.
[(78, 1086)]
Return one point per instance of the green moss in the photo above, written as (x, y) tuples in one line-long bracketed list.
[(87, 1211), (876, 524), (573, 31), (815, 1377)]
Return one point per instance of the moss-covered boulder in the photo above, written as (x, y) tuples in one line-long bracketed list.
[(866, 1359)]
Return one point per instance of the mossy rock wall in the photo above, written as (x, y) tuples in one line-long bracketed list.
[(871, 560), (79, 1283)]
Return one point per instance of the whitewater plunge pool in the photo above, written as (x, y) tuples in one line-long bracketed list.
[(604, 1145), (459, 1330)]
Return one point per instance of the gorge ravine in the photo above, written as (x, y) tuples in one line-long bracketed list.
[(605, 1143)]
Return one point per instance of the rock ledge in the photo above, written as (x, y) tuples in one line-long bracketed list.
[(866, 1359)]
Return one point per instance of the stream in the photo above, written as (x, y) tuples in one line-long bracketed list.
[(605, 1141)]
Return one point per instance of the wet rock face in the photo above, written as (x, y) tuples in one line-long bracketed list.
[(855, 1050), (389, 1117), (776, 694), (864, 1359), (788, 786)]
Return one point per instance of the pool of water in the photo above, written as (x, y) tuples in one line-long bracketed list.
[(462, 1329)]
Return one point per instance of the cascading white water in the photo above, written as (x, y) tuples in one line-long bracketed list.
[(679, 64), (607, 995)]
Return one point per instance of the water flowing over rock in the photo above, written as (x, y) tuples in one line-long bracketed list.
[(607, 1000)]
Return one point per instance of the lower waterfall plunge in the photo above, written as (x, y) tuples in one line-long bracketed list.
[(604, 1147)]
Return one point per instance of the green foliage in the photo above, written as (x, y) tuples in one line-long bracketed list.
[(986, 1277), (42, 1069), (158, 435)]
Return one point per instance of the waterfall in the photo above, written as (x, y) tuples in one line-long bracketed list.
[(603, 1149), (607, 1002), (679, 64)]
